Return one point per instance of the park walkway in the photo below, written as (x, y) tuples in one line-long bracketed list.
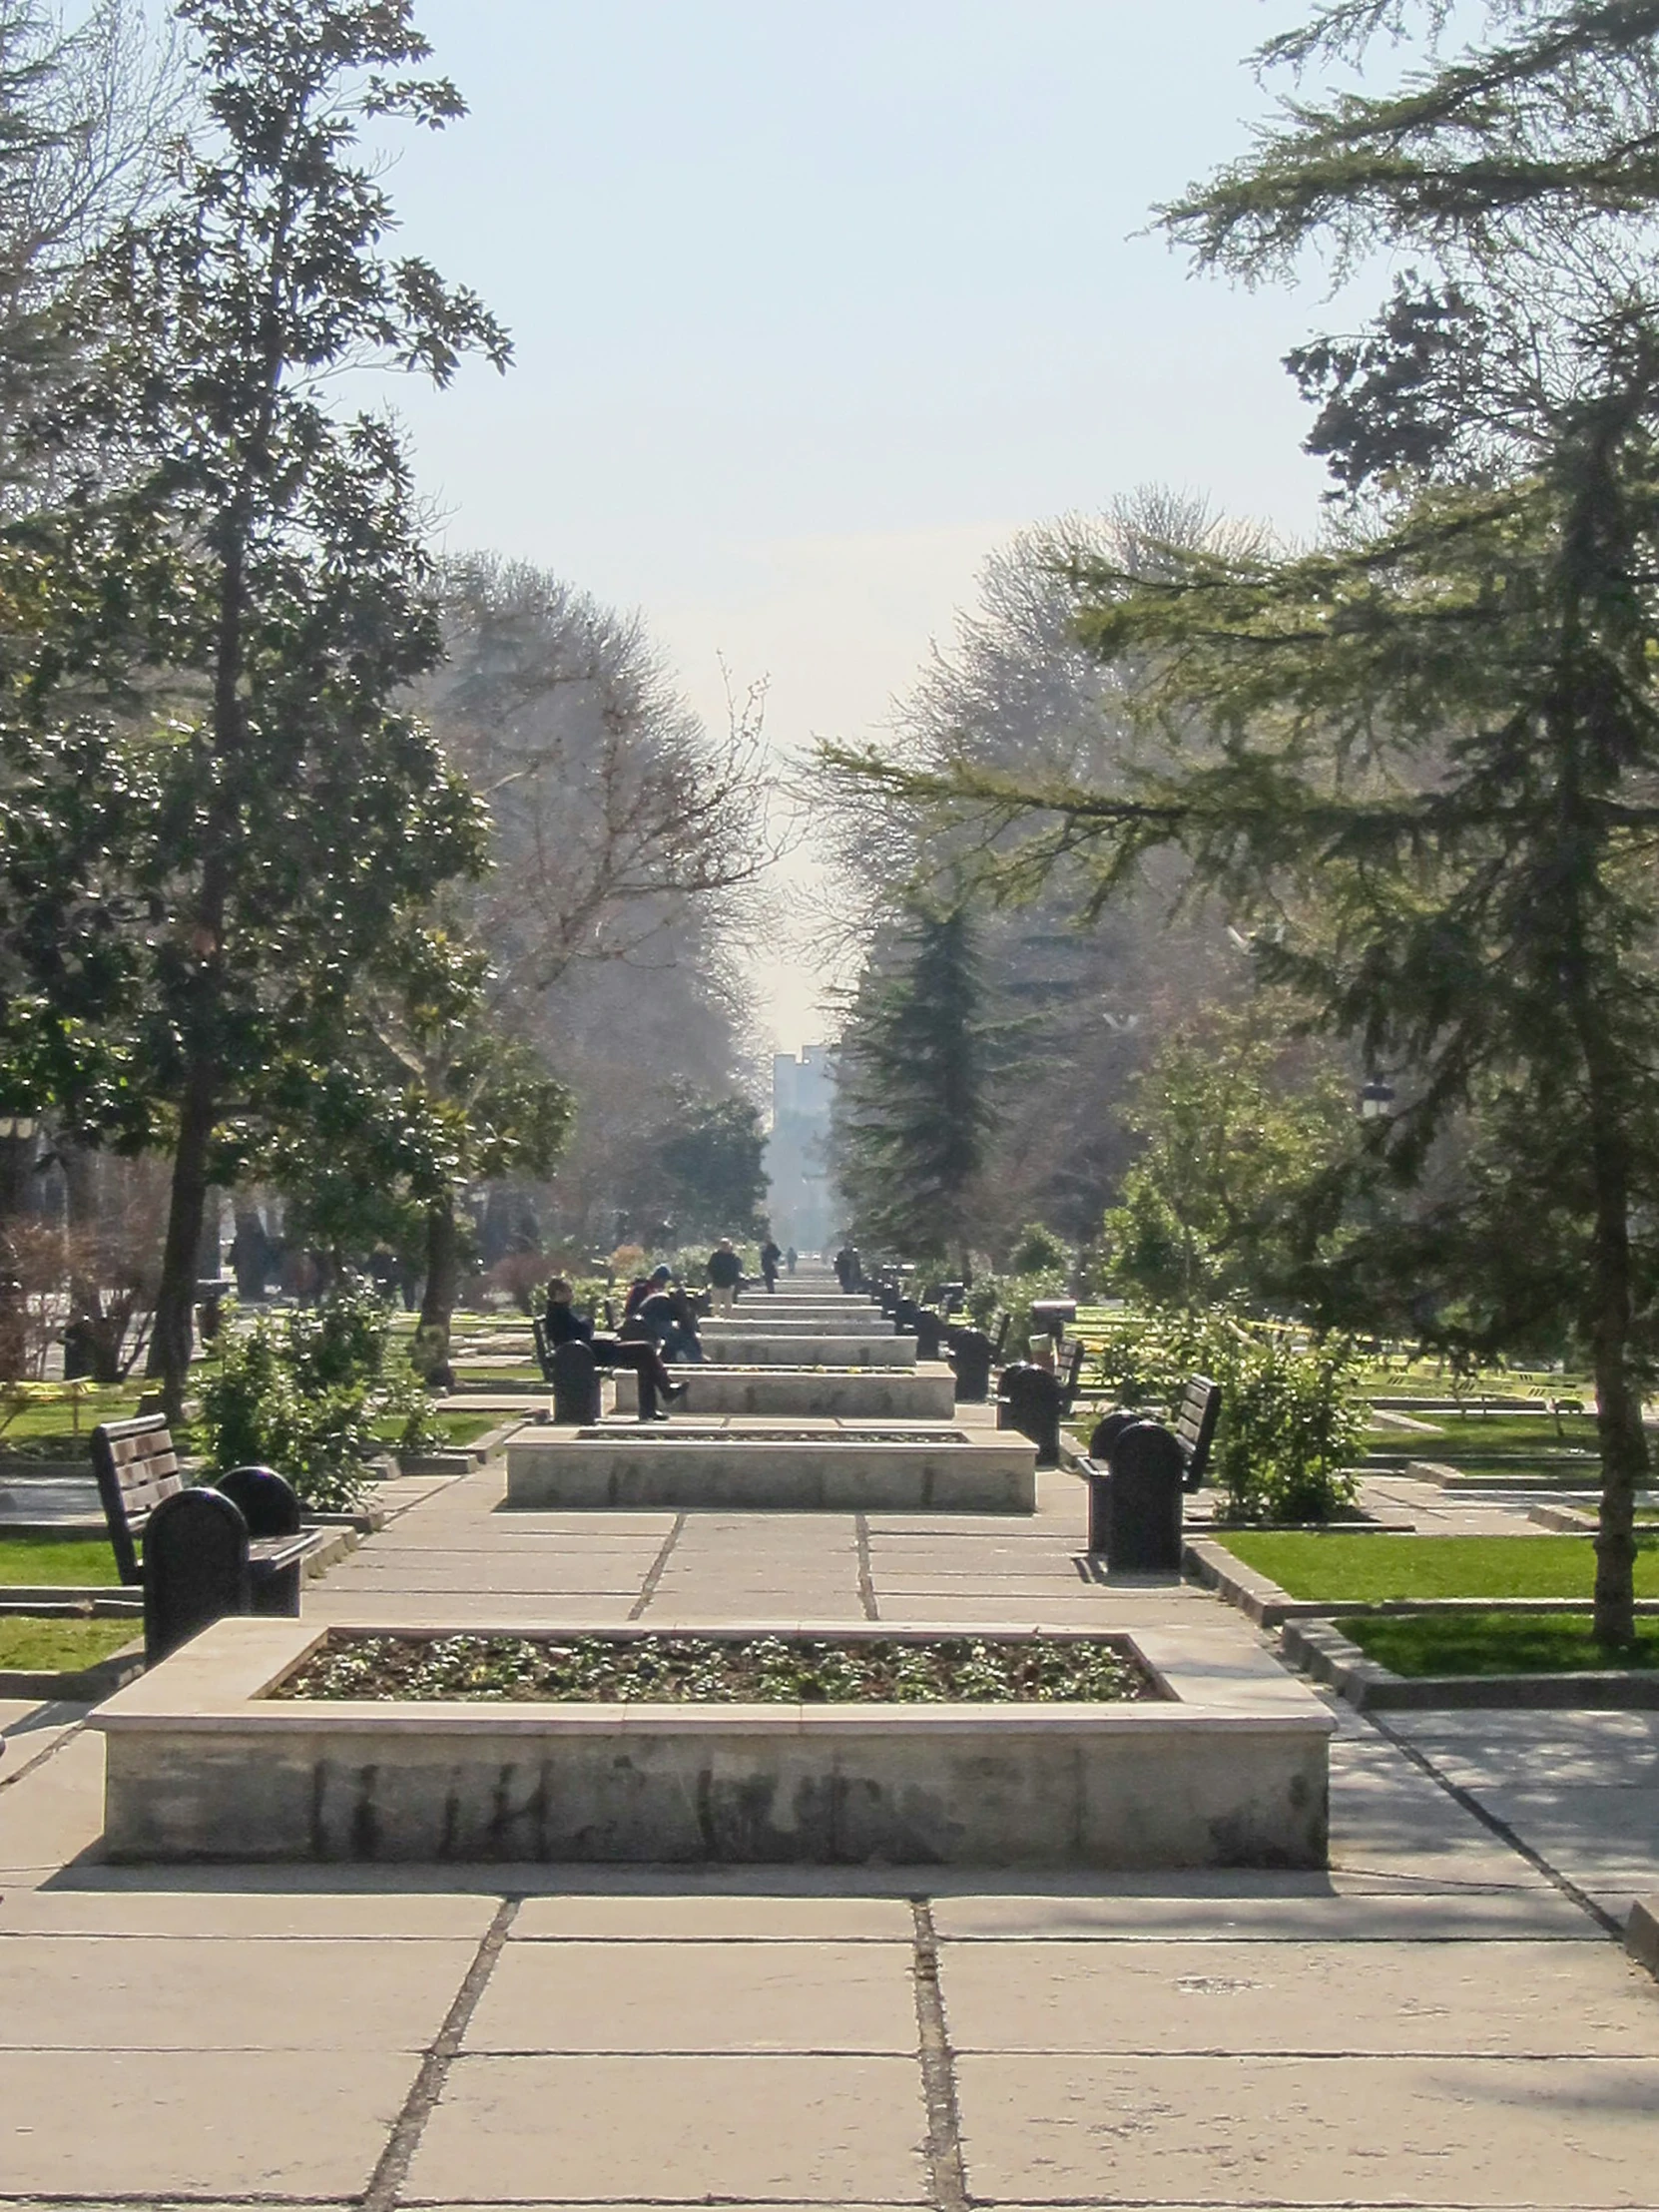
[(1443, 2021)]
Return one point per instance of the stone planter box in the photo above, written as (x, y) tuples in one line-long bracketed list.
[(1229, 1770), (769, 1313), (572, 1469), (794, 1394), (800, 1347)]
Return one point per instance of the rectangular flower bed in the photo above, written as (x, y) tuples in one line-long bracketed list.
[(753, 1742), (846, 1470)]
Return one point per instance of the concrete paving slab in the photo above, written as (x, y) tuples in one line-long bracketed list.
[(1549, 1750), (1535, 1916), (1387, 1814), (1585, 1834), (716, 1918), (98, 2125), (30, 1727), (201, 1912), (602, 2130), (52, 1813), (169, 1992), (551, 1574), (1310, 2133), (470, 1609), (1489, 1998), (674, 1996)]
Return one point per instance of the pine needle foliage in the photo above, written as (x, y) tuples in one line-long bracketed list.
[(913, 1105)]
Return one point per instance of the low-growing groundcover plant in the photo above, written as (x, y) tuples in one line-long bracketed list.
[(707, 1670), (305, 1395)]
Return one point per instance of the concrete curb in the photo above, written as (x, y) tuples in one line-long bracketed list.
[(70, 1600), (1312, 1642), (1326, 1654), (461, 1458), (1641, 1933)]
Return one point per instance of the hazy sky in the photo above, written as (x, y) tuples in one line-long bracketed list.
[(817, 301)]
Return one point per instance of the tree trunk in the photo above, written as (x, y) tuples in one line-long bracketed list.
[(170, 1345), (1623, 1441), (1610, 1303), (437, 1306)]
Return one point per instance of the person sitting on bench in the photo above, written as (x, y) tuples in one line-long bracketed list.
[(565, 1326), (665, 1315)]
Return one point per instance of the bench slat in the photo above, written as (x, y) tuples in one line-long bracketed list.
[(270, 1552)]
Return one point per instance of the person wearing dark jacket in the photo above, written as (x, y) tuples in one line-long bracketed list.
[(665, 1317), (564, 1326), (724, 1274), (770, 1258)]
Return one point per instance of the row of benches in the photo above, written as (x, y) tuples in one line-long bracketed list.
[(1138, 1471)]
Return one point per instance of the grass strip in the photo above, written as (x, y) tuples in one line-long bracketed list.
[(1497, 1643), (1375, 1568), (85, 1562), (60, 1647)]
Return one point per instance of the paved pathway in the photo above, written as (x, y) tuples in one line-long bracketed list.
[(1443, 2021)]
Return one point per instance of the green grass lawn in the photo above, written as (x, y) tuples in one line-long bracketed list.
[(458, 1428), (61, 1647), (86, 1561), (1375, 1568), (1496, 1643), (466, 1429), (51, 1429), (1456, 1433)]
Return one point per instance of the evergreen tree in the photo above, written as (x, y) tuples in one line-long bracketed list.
[(913, 1107), (1430, 746)]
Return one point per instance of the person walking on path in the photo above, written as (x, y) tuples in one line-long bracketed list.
[(769, 1257), (564, 1326), (724, 1274), (789, 1257)]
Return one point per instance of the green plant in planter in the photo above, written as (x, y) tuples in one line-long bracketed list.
[(305, 1395), (1290, 1431), (1291, 1426)]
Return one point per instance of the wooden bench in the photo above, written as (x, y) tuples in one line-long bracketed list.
[(1035, 1400), (234, 1547), (1194, 1427)]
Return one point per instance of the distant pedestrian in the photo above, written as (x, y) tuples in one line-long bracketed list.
[(789, 1257), (725, 1275), (769, 1257)]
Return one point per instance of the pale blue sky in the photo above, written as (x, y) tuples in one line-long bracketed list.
[(817, 301)]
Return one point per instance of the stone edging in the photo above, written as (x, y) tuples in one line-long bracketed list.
[(1312, 1642), (1324, 1652)]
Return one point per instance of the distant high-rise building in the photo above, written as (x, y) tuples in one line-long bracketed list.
[(796, 1151)]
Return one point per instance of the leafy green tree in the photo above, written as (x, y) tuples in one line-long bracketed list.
[(713, 1159), (426, 1098), (288, 819), (912, 1105), (1235, 1191), (1429, 746)]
